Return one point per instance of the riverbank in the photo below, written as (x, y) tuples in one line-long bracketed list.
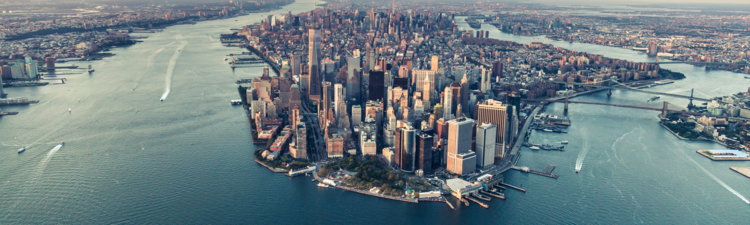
[(342, 187)]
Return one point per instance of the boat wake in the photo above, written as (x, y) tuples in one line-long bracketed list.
[(170, 71), (47, 158), (584, 151), (730, 189)]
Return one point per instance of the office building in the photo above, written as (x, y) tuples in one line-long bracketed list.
[(494, 112), (353, 77), (405, 148), (485, 145), (424, 152), (301, 145), (460, 160), (377, 85), (314, 64), (295, 64), (338, 98)]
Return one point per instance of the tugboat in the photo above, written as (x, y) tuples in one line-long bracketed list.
[(22, 150)]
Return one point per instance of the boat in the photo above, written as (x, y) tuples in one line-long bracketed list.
[(322, 185), (62, 143), (655, 97), (547, 130), (22, 149), (69, 109), (577, 170), (746, 77), (564, 142), (534, 147)]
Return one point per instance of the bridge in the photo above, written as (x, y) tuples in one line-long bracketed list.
[(621, 86), (701, 63), (664, 109)]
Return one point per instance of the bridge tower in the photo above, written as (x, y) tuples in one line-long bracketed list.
[(690, 105), (609, 90), (664, 110), (566, 103)]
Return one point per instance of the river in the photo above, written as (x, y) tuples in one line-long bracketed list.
[(130, 158)]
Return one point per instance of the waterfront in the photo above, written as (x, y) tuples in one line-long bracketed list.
[(189, 159)]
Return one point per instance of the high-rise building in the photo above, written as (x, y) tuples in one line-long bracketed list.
[(325, 104), (448, 103), (301, 151), (295, 64), (356, 115), (353, 78), (485, 145), (424, 155), (460, 160), (494, 112), (497, 69), (367, 142), (377, 85), (335, 146), (338, 96), (486, 81), (464, 100), (434, 63), (405, 148), (314, 63), (421, 75), (32, 70), (370, 58), (2, 93)]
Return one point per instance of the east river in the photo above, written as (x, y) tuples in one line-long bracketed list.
[(130, 158)]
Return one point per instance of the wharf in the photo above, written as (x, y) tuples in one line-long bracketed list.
[(745, 171), (493, 194), (514, 187), (703, 153), (270, 168), (3, 113), (478, 202), (19, 103), (547, 171)]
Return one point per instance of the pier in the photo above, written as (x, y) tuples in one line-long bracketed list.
[(449, 204), (478, 202), (745, 171), (493, 194), (547, 172), (514, 187)]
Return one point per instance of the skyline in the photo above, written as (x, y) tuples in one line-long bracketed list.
[(439, 112)]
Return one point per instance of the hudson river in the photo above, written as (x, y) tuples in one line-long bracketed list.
[(130, 158)]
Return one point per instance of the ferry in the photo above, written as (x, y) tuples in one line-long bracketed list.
[(655, 97), (322, 185), (564, 142), (22, 150), (534, 147)]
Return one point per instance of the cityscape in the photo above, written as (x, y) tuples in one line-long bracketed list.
[(594, 112)]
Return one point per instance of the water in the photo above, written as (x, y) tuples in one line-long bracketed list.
[(130, 158)]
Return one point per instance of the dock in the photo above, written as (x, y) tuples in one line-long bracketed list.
[(449, 204), (494, 194), (478, 202), (514, 187), (3, 113), (745, 171), (547, 171), (464, 201)]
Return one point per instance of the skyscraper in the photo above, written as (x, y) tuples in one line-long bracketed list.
[(485, 145), (314, 64), (325, 104), (301, 151), (406, 148), (338, 96), (486, 81), (424, 155), (494, 112), (434, 63), (460, 159), (377, 85), (447, 103), (497, 69), (353, 78)]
